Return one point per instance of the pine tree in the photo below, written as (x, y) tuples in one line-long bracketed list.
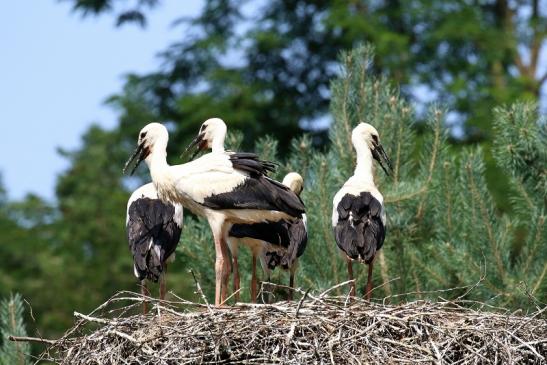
[(12, 324), (444, 231)]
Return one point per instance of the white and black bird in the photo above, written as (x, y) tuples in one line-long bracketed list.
[(222, 187), (153, 232), (275, 243), (358, 216)]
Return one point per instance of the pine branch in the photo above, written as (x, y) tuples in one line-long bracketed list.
[(432, 162), (11, 324), (486, 221), (540, 279)]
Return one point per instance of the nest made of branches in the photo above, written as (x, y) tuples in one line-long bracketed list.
[(316, 329)]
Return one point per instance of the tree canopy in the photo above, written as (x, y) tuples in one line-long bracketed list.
[(266, 66)]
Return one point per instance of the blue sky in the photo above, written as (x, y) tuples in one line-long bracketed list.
[(56, 69)]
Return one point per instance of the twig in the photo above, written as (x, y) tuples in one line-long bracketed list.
[(201, 291), (300, 303), (95, 319), (31, 339)]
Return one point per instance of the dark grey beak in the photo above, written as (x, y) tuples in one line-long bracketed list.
[(141, 152), (199, 142), (380, 155)]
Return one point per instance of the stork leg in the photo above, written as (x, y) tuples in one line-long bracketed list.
[(236, 277), (368, 289), (291, 283), (225, 271), (219, 266), (268, 289), (145, 293), (350, 277), (163, 282), (254, 284)]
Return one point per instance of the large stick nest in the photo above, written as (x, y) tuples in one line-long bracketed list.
[(315, 329)]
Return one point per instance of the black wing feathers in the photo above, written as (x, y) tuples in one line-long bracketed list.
[(298, 238), (260, 193), (290, 235), (250, 163), (359, 232), (152, 234), (275, 233)]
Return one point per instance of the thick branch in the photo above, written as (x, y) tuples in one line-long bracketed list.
[(536, 42)]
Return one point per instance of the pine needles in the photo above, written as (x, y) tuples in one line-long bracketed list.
[(317, 329), (11, 324)]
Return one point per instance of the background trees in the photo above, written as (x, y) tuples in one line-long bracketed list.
[(273, 70), (268, 65)]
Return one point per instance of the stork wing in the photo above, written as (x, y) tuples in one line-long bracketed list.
[(152, 234), (250, 163), (236, 181), (290, 235), (359, 230), (298, 240)]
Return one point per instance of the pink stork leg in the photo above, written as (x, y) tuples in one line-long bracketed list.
[(236, 278), (350, 277), (226, 268), (219, 266), (234, 248), (291, 281), (368, 290), (254, 284), (163, 282), (218, 227), (145, 293)]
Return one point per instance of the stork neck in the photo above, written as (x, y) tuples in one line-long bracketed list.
[(157, 163), (217, 144), (364, 169)]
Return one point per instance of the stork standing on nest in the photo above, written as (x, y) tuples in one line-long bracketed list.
[(275, 243), (153, 232), (358, 216), (222, 187)]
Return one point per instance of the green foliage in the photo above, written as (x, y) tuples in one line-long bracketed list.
[(12, 324), (471, 56), (444, 231), (521, 150)]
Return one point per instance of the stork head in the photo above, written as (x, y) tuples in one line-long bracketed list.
[(366, 133), (153, 135), (210, 136), (294, 181)]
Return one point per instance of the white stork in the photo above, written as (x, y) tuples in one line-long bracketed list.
[(358, 215), (275, 243), (153, 232), (222, 187)]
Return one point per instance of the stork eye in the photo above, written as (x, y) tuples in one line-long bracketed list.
[(143, 134), (375, 138)]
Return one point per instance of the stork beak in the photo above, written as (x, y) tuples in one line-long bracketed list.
[(199, 142), (141, 152), (380, 155)]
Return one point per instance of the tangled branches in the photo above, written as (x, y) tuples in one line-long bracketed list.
[(317, 329)]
